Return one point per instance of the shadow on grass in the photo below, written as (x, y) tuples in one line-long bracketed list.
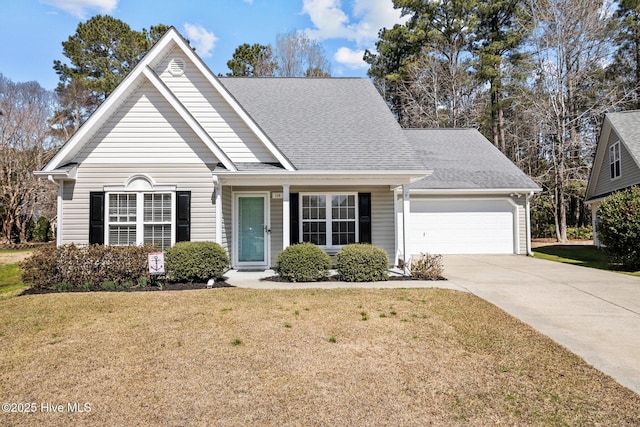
[(583, 255)]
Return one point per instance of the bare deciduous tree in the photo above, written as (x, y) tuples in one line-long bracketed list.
[(299, 56), (571, 47), (24, 138)]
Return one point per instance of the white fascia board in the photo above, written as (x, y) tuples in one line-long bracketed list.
[(596, 167), (472, 191), (113, 100), (68, 173), (390, 178), (188, 118), (235, 105)]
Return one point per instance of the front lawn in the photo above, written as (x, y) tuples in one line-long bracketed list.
[(307, 357), (583, 255), (10, 274)]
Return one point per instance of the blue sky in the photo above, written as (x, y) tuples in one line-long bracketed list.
[(32, 30)]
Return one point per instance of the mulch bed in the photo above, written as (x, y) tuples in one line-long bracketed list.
[(150, 288)]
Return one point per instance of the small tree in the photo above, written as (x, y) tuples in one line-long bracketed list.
[(619, 226)]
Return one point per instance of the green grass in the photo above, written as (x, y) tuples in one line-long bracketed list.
[(10, 281), (10, 274), (582, 255)]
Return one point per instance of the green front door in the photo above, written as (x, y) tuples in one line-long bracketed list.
[(251, 230)]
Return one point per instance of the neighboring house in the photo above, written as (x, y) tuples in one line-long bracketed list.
[(616, 165), (257, 164)]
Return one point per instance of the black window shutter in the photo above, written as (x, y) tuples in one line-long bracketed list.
[(364, 220), (96, 218), (183, 216), (294, 220)]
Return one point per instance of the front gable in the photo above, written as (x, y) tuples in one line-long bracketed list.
[(209, 107), (145, 129), (170, 101), (616, 131)]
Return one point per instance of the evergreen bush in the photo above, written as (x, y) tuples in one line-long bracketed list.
[(195, 261), (302, 262), (619, 227), (362, 263)]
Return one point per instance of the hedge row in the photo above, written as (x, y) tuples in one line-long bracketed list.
[(113, 267)]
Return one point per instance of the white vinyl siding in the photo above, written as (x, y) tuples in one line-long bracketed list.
[(145, 129), (215, 114), (93, 177)]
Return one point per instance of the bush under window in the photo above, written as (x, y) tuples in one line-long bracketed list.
[(302, 262), (362, 263), (195, 261)]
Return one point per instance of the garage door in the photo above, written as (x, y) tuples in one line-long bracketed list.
[(462, 227)]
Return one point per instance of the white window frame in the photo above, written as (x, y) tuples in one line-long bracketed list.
[(118, 223), (139, 185), (329, 216), (140, 222), (615, 156)]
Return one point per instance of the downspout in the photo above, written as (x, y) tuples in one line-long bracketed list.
[(217, 188), (58, 210), (528, 208)]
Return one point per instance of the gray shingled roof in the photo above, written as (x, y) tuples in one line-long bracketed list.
[(326, 124), (627, 125), (464, 159)]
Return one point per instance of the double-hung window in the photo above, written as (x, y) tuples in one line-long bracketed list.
[(329, 220), (136, 218), (122, 219), (614, 160)]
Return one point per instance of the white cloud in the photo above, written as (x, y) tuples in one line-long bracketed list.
[(81, 8), (369, 16), (204, 41), (350, 58)]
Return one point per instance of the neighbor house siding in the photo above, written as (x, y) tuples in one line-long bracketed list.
[(93, 177), (213, 112), (630, 173)]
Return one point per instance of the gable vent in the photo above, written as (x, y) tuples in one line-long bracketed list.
[(176, 67)]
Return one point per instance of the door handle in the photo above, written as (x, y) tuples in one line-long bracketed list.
[(267, 229)]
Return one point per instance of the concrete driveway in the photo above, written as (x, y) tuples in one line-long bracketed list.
[(593, 313)]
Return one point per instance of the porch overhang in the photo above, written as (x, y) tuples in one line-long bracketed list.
[(319, 177)]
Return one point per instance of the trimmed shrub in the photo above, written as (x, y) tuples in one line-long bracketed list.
[(427, 267), (86, 267), (619, 227), (580, 233), (362, 263), (302, 262), (195, 261)]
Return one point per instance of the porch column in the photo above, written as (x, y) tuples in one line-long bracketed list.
[(406, 213), (286, 220), (217, 188)]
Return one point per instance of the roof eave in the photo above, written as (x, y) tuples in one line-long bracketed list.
[(474, 191)]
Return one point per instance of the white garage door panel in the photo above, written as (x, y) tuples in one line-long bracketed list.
[(462, 227)]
